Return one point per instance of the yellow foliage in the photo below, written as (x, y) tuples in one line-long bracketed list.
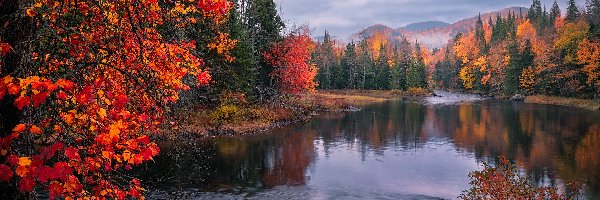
[(569, 37), (527, 78), (467, 76)]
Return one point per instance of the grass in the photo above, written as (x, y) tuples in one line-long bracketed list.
[(242, 118), (572, 102)]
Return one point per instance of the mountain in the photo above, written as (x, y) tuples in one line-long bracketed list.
[(435, 34), (422, 26)]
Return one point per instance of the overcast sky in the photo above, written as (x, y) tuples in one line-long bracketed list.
[(344, 17)]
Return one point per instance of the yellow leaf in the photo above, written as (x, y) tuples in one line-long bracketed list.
[(102, 113), (126, 155)]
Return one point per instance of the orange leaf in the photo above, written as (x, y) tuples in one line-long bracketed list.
[(35, 129), (30, 12), (24, 161), (19, 128), (22, 171)]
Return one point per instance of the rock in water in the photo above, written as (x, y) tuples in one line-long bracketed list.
[(518, 97)]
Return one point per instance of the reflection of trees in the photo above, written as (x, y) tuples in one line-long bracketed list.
[(588, 156), (546, 142), (543, 140), (291, 160)]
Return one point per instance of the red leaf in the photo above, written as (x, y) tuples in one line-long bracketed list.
[(72, 153), (5, 173), (4, 49), (22, 101), (26, 184), (39, 98)]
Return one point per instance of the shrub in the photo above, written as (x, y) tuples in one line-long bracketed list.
[(504, 182)]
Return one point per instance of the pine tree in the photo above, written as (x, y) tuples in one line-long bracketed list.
[(326, 60), (535, 12), (572, 11), (480, 35), (416, 76), (554, 13), (245, 65), (593, 15), (382, 70), (265, 25), (349, 65)]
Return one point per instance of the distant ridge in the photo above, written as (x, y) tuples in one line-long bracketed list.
[(434, 34), (422, 26)]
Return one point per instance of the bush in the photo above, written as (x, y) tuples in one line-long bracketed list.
[(504, 182), (418, 92), (225, 114)]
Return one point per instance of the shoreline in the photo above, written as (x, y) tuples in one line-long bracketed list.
[(198, 121), (247, 119), (588, 104)]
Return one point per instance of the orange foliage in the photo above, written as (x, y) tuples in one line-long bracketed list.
[(589, 56), (100, 86)]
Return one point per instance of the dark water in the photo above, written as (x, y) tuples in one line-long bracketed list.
[(395, 150)]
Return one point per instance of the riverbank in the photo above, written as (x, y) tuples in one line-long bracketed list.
[(242, 119), (562, 101)]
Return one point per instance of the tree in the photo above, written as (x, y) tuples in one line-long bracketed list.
[(416, 76), (572, 11), (589, 56), (326, 59), (593, 17), (554, 13), (100, 78), (480, 35), (294, 71), (350, 66), (265, 25)]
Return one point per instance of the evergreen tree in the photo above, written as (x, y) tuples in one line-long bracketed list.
[(382, 70), (350, 67), (326, 60), (535, 12), (480, 35), (513, 70), (365, 63), (245, 65), (572, 11), (554, 13), (417, 76), (265, 25), (593, 16)]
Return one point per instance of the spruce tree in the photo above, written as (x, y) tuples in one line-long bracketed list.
[(349, 65), (480, 35), (572, 11), (245, 65), (593, 16), (554, 12), (265, 25), (417, 76)]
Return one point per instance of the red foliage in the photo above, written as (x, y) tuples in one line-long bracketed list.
[(291, 57), (102, 83)]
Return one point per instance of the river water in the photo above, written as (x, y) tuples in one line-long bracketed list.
[(392, 150)]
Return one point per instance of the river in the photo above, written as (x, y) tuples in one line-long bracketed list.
[(392, 150)]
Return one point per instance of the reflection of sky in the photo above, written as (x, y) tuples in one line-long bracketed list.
[(344, 17), (395, 174)]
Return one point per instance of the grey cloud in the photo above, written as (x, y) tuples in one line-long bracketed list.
[(344, 17)]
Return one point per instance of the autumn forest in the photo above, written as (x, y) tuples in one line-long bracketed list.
[(92, 90)]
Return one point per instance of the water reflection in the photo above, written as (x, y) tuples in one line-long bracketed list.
[(396, 149)]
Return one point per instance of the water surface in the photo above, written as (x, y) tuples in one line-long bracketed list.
[(393, 150)]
